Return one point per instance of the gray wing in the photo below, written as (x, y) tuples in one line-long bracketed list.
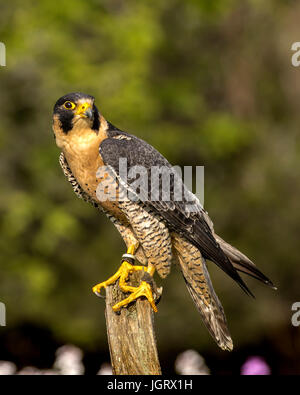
[(178, 215)]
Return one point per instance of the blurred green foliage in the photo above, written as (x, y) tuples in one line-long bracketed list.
[(207, 83)]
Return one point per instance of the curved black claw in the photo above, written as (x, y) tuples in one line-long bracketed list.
[(157, 292)]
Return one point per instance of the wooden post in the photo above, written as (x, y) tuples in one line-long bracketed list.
[(130, 332)]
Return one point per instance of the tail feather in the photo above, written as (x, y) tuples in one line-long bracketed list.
[(242, 263), (213, 317), (199, 285), (238, 260), (196, 276)]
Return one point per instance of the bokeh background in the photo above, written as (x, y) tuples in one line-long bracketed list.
[(207, 83)]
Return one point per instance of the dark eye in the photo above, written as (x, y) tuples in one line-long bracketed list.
[(69, 105)]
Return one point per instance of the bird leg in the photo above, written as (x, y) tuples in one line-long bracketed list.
[(126, 268)]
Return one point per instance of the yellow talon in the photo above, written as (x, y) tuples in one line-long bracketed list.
[(144, 289), (123, 272)]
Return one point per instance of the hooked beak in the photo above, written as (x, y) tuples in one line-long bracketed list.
[(85, 111)]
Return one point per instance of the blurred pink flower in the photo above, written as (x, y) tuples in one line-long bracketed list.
[(69, 360), (255, 366), (105, 369), (190, 362)]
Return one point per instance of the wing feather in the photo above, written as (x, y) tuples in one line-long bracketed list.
[(185, 216)]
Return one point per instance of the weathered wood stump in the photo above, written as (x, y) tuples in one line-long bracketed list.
[(131, 335)]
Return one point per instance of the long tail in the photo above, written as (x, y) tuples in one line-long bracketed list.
[(239, 261), (193, 267), (242, 263)]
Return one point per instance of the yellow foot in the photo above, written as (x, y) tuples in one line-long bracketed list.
[(125, 269), (143, 290), (122, 274)]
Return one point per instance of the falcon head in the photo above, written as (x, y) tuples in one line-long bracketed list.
[(76, 111)]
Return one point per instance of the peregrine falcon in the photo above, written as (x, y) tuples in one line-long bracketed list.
[(156, 231)]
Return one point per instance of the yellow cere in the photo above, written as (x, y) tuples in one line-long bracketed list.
[(82, 107)]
